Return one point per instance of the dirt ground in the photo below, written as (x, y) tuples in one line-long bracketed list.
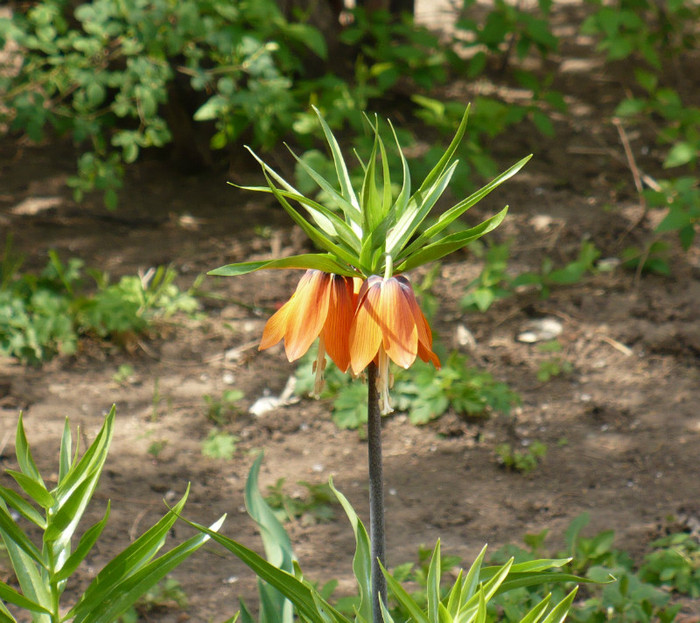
[(622, 430)]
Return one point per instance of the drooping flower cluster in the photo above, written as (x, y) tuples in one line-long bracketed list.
[(379, 228), (380, 322)]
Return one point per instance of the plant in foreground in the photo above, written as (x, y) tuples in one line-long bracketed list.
[(355, 296), (42, 572)]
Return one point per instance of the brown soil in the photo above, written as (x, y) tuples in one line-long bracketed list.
[(622, 430)]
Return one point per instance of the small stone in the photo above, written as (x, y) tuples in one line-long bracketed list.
[(540, 330)]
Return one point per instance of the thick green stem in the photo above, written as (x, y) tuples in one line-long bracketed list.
[(376, 494)]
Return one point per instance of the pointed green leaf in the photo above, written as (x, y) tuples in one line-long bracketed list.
[(86, 543), (450, 244), (341, 169), (532, 566), (11, 596), (419, 206), (559, 612), (347, 208), (433, 587), (362, 560), (6, 615), (444, 615), (471, 581), (128, 590), (64, 462), (278, 548), (314, 234), (30, 579), (386, 182), (404, 598), (13, 536), (534, 615), (131, 559), (386, 615), (24, 454), (454, 597), (314, 261), (444, 161), (460, 208), (92, 461), (371, 203), (404, 195), (33, 488), (520, 580), (294, 589), (481, 610), (23, 507)]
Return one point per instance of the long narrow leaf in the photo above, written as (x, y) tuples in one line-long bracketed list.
[(340, 167), (278, 548), (92, 461), (473, 577), (433, 588), (24, 454), (30, 579), (12, 535), (63, 523), (6, 615), (317, 261), (64, 461), (419, 207), (123, 595), (451, 243), (11, 596), (87, 541), (33, 488), (362, 560), (348, 209), (405, 193), (404, 598), (447, 217), (447, 156), (23, 507), (316, 236), (559, 612), (534, 615), (133, 558), (294, 589)]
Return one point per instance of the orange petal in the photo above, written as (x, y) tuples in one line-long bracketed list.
[(425, 336), (398, 324), (336, 331), (307, 313), (275, 327), (365, 332)]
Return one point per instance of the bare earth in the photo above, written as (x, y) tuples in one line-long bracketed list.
[(629, 412)]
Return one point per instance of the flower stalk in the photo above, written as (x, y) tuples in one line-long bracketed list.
[(376, 494)]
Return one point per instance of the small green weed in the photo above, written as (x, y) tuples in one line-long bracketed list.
[(674, 563), (421, 391), (124, 374), (219, 445), (156, 447), (523, 461), (494, 282), (555, 366), (44, 315), (221, 410), (313, 506)]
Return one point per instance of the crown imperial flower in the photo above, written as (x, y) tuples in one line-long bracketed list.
[(365, 232)]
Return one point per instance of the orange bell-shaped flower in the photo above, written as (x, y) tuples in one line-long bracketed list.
[(322, 305), (389, 324)]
